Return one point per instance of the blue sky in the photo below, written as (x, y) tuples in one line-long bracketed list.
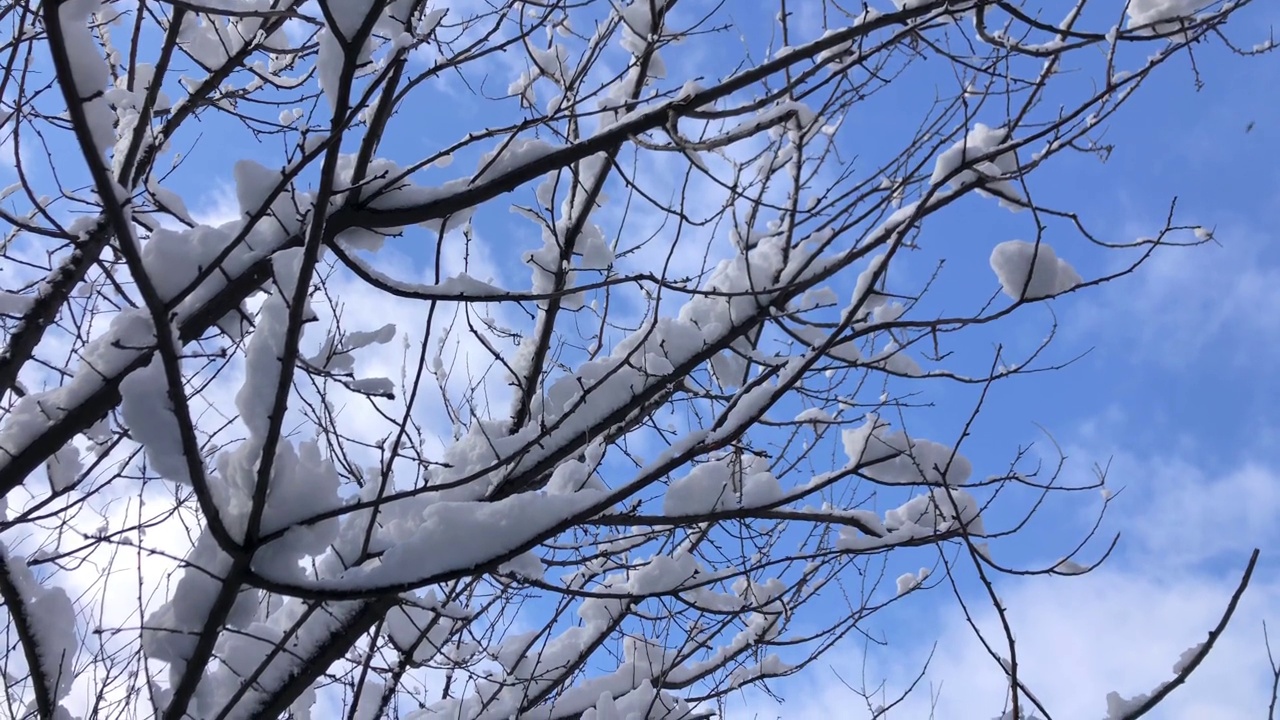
[(1175, 392)]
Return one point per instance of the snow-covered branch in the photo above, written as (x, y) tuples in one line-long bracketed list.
[(550, 360)]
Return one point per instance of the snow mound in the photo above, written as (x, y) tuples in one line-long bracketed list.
[(1014, 260)]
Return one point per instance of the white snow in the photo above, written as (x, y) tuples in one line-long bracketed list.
[(421, 626), (509, 524), (894, 358), (910, 581), (893, 458), (835, 50), (15, 304), (1067, 566), (771, 666), (348, 15), (170, 200), (331, 59), (941, 510), (254, 184), (379, 386), (89, 72), (1187, 657), (64, 467), (959, 164), (52, 621), (148, 412), (814, 415), (1013, 261), (359, 339), (638, 24), (249, 648), (1147, 12), (720, 485), (1119, 707)]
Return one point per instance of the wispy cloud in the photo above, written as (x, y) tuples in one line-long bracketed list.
[(1187, 305), (1118, 629)]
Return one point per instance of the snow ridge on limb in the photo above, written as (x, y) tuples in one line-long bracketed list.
[(45, 622)]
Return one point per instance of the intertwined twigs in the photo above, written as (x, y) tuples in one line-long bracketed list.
[(620, 483)]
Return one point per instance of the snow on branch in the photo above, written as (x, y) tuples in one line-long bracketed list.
[(45, 623)]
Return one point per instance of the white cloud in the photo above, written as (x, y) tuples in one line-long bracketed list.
[(1186, 538), (1189, 304), (1194, 517), (1078, 640), (218, 206), (1181, 505)]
